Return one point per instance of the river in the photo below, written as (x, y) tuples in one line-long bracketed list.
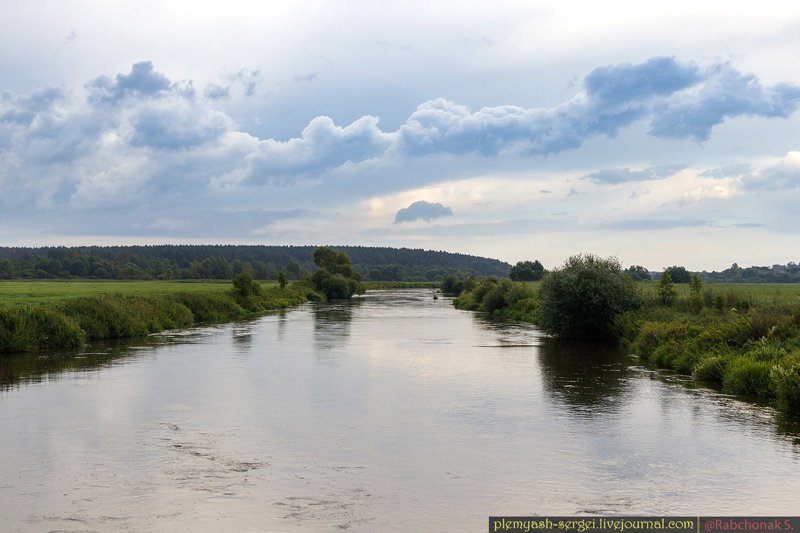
[(392, 412)]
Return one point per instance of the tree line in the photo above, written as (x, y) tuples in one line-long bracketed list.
[(226, 261)]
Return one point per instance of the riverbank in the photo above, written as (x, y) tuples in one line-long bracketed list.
[(742, 339), (63, 319)]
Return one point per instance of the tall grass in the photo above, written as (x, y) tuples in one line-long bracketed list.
[(69, 322), (743, 338)]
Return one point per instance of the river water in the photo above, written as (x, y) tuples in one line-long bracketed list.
[(393, 412)]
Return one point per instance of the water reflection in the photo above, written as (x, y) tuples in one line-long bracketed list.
[(243, 336), (37, 367), (588, 377), (332, 323)]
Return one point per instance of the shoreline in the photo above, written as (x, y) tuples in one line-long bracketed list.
[(70, 323)]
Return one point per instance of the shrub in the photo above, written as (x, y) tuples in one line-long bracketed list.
[(786, 382), (335, 276), (585, 298), (711, 369), (666, 290), (244, 286), (30, 328), (748, 377)]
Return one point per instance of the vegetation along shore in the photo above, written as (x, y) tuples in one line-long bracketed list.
[(742, 338), (69, 315), (66, 314)]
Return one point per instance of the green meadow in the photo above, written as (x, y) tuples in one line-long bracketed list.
[(35, 292), (66, 314)]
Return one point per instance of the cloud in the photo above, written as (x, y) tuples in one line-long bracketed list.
[(723, 93), (422, 210), (624, 175), (142, 82), (626, 83), (679, 101), (739, 169), (217, 92), (322, 145), (249, 80), (176, 125), (140, 137), (21, 110), (307, 78), (782, 176)]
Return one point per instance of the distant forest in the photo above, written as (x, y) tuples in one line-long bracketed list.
[(225, 261), (788, 273)]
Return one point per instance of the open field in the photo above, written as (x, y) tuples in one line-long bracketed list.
[(35, 292), (759, 293)]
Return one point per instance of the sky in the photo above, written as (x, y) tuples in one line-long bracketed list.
[(658, 133)]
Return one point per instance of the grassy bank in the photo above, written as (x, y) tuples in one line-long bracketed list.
[(744, 339), (741, 338), (504, 299), (68, 314)]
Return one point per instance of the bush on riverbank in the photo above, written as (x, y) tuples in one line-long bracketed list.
[(502, 299), (70, 323), (586, 298)]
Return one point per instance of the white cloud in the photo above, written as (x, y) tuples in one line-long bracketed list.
[(480, 105)]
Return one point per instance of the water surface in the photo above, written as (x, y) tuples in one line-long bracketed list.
[(393, 412)]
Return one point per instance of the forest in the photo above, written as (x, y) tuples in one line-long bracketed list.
[(175, 262)]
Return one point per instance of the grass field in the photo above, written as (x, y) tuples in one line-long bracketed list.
[(50, 291), (35, 292), (760, 293)]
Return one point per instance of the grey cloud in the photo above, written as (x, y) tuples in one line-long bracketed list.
[(679, 100), (157, 135), (21, 110), (723, 93), (322, 145), (728, 171), (780, 177), (176, 127), (422, 210), (248, 79), (143, 81), (308, 78), (217, 92), (624, 175), (748, 225), (622, 84)]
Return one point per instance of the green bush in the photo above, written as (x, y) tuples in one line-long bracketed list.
[(335, 276), (711, 369), (244, 286), (31, 328), (785, 378), (748, 377), (585, 298)]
